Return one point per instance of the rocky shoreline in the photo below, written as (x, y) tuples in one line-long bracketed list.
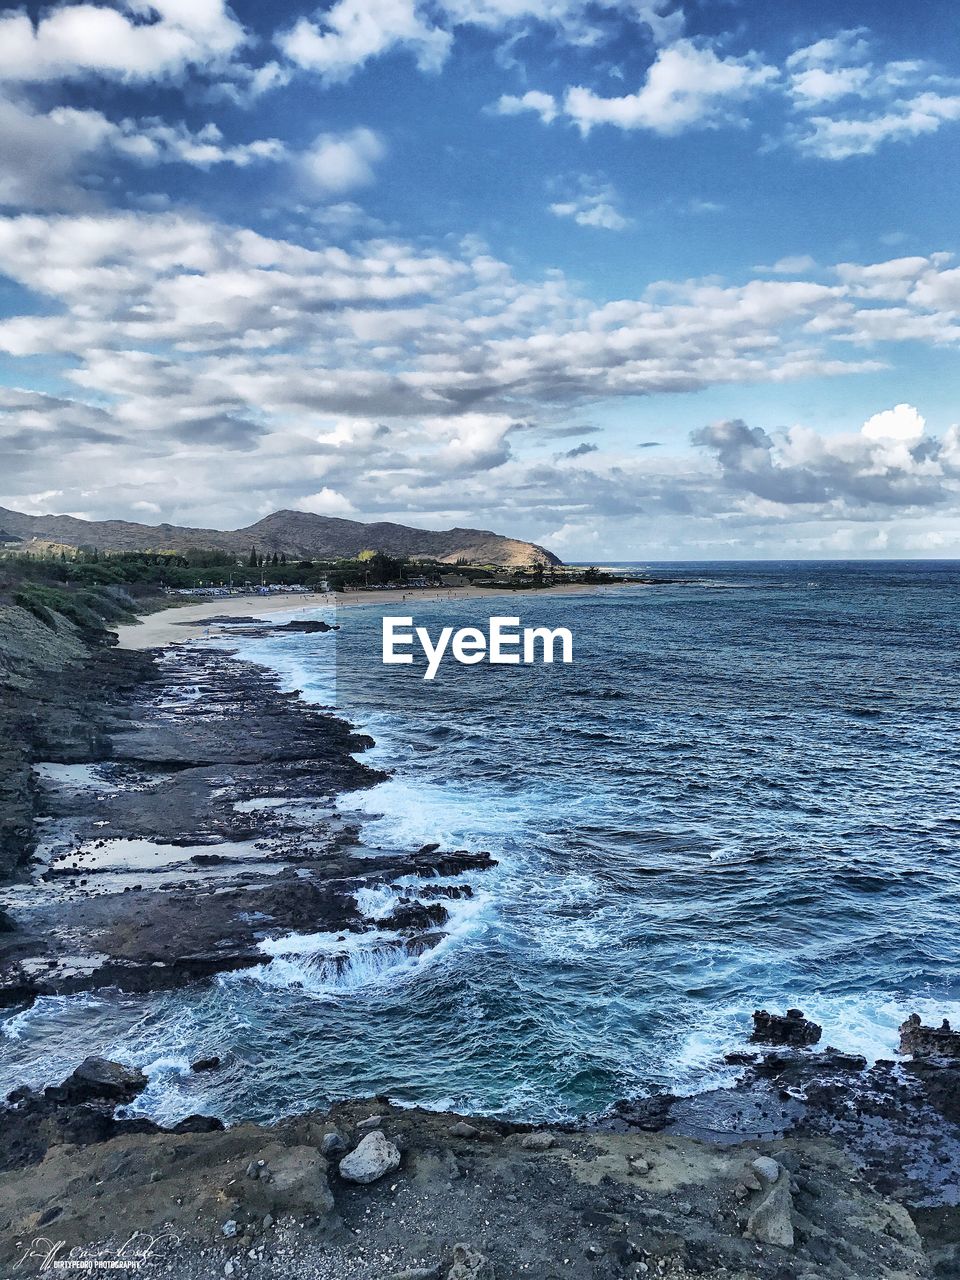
[(180, 810), (812, 1167), (194, 817)]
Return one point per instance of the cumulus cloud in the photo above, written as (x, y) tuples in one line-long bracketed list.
[(338, 41), (843, 102), (592, 208), (337, 163), (543, 104), (73, 40), (326, 502), (888, 463), (688, 85), (902, 422), (851, 105), (44, 157), (353, 31)]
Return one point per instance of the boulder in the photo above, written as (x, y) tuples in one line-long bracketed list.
[(100, 1080), (371, 1159), (297, 1181), (463, 1130), (928, 1042), (537, 1141), (333, 1143), (791, 1028), (771, 1221), (470, 1264), (766, 1169), (205, 1064)]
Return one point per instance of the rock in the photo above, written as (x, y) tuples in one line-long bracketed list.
[(371, 1159), (291, 1180), (228, 1268), (777, 1028), (463, 1130), (416, 915), (371, 1122), (7, 923), (767, 1170), (416, 1273), (771, 1222), (198, 1124), (638, 1164), (205, 1064), (537, 1141), (230, 1228), (99, 1079), (928, 1042), (333, 1143), (469, 1264)]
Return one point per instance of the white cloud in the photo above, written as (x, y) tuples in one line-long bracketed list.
[(544, 104), (797, 264), (326, 502), (337, 163), (903, 423), (44, 157), (850, 105), (592, 209), (337, 42), (353, 31), (233, 371), (687, 86), (73, 40)]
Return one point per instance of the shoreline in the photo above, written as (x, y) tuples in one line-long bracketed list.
[(192, 621)]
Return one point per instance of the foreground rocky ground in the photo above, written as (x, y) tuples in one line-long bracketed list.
[(813, 1166), (370, 1191)]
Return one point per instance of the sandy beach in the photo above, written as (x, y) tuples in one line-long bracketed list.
[(188, 622)]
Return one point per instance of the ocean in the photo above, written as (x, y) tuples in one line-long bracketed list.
[(742, 793)]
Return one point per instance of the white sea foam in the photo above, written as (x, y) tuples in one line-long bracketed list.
[(338, 964)]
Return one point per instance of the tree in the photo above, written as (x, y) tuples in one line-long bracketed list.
[(252, 562), (276, 559)]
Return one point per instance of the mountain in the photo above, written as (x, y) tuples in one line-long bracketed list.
[(296, 533)]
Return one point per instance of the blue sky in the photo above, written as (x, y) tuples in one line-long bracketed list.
[(632, 279)]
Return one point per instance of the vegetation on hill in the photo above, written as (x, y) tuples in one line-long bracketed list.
[(296, 534)]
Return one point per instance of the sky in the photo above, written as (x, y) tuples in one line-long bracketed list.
[(634, 279)]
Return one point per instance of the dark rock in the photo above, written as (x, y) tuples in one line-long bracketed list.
[(205, 1064), (790, 1029), (416, 915), (928, 1042), (198, 1124), (99, 1079), (333, 1144), (7, 922)]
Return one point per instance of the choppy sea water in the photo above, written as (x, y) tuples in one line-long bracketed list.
[(743, 792)]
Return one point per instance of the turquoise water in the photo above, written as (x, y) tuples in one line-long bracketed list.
[(742, 792)]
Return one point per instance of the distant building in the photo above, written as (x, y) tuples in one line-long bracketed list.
[(454, 580)]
